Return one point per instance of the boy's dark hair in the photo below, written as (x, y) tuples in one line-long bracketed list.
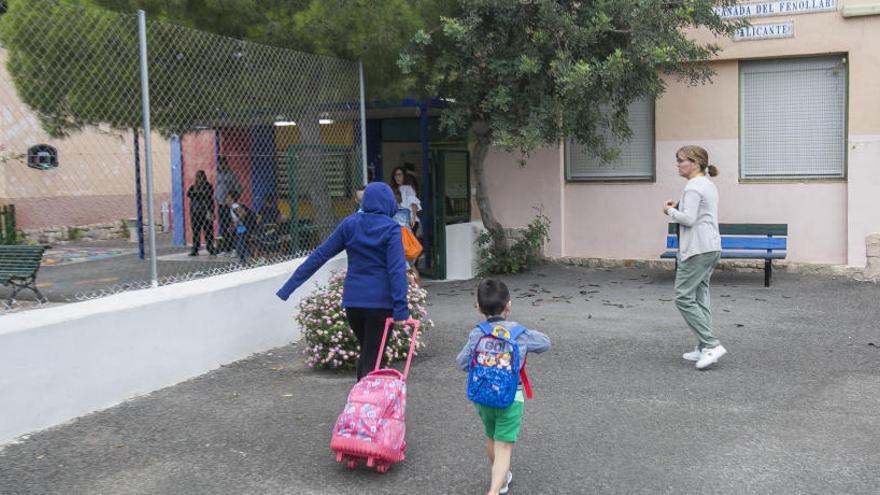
[(235, 195), (492, 296)]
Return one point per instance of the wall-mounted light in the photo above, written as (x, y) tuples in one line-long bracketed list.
[(42, 157), (284, 123), (325, 121)]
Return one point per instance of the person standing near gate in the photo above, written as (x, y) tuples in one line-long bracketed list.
[(409, 199), (201, 213), (699, 249), (227, 183)]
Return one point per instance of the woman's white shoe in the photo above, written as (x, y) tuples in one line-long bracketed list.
[(710, 356)]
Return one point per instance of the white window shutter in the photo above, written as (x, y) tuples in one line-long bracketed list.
[(793, 118), (636, 160)]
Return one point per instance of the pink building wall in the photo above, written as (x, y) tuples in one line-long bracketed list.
[(95, 180), (515, 191), (828, 219)]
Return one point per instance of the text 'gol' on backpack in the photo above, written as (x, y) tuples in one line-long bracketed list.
[(494, 372)]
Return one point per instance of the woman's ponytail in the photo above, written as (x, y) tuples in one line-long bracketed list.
[(713, 170)]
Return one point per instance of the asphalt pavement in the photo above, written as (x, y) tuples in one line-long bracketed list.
[(794, 407)]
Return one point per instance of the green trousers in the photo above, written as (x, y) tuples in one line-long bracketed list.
[(692, 295)]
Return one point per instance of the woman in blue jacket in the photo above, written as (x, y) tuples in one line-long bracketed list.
[(375, 284)]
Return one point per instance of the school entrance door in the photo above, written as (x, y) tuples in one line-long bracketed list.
[(407, 135), (449, 203)]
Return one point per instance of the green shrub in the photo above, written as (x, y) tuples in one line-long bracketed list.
[(123, 229), (74, 233), (521, 254)]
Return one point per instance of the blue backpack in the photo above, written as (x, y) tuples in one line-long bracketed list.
[(494, 372)]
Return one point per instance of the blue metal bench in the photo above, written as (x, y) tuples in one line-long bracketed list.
[(763, 241)]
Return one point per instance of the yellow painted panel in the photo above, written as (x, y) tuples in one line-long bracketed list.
[(337, 133)]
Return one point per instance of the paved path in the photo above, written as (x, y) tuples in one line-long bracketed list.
[(793, 408), (83, 270)]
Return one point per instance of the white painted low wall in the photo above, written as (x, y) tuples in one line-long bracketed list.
[(63, 362), (462, 252)]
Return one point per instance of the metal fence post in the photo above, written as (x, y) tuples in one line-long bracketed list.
[(148, 146), (363, 124), (137, 192), (215, 97)]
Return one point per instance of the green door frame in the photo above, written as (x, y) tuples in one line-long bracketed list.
[(439, 174), (438, 205)]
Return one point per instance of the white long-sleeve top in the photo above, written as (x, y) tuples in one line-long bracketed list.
[(408, 198), (697, 213)]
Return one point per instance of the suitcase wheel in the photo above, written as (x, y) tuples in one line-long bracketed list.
[(351, 463), (371, 462), (383, 468)]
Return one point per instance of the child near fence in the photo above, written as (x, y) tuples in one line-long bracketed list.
[(243, 222)]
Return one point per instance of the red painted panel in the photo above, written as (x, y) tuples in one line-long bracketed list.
[(197, 150), (235, 145)]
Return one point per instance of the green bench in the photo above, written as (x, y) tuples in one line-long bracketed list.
[(18, 269), (762, 241)]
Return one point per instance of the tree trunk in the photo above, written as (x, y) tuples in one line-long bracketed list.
[(481, 149)]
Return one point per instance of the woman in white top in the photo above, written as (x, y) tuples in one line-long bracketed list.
[(699, 248), (408, 197)]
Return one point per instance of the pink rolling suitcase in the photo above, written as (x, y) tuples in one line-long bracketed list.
[(372, 425)]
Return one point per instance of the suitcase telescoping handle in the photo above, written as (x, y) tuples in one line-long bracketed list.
[(412, 343)]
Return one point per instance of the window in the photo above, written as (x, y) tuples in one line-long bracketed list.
[(636, 160), (42, 157), (793, 118), (335, 162)]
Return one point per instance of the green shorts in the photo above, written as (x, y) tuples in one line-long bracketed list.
[(502, 424)]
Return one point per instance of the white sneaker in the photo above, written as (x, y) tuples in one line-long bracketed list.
[(693, 355), (506, 486), (710, 356)]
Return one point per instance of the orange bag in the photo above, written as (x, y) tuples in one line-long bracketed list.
[(412, 248)]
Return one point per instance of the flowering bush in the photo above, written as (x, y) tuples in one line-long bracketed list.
[(331, 344)]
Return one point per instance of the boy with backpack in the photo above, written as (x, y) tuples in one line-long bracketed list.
[(495, 357)]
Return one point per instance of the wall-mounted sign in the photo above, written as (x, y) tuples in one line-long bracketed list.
[(765, 31), (782, 7)]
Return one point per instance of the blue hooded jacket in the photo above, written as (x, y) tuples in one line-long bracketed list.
[(376, 276)]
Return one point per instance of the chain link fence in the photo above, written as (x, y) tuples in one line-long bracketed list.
[(256, 150)]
